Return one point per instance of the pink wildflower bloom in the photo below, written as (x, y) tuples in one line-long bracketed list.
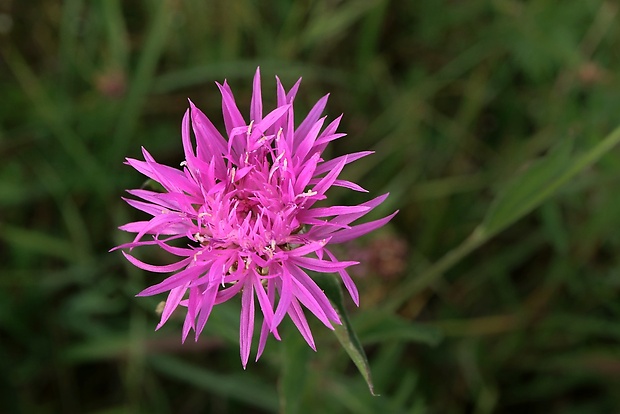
[(246, 203)]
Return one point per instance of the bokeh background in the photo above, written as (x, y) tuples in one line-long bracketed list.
[(459, 99)]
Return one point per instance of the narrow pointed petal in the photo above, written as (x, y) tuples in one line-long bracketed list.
[(329, 165), (312, 117), (346, 279), (335, 211), (157, 269), (308, 140), (256, 107), (186, 138), (232, 116), (174, 297), (286, 297), (246, 328), (210, 144), (173, 281), (350, 185), (239, 214), (205, 306), (359, 230), (263, 301), (264, 124), (326, 182), (318, 302), (299, 319), (264, 333), (322, 266), (290, 96)]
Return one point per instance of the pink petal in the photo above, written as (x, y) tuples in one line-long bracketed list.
[(329, 165), (157, 269), (205, 305), (225, 294), (286, 296), (157, 224), (317, 265), (350, 185), (192, 309), (307, 248), (359, 230), (307, 141), (299, 319), (345, 219), (174, 297), (259, 128), (308, 170), (256, 107), (187, 138), (290, 96), (173, 281), (312, 117), (232, 116), (265, 304), (329, 130), (280, 93), (334, 211), (309, 293), (323, 185), (246, 328), (149, 208), (264, 332), (346, 279), (210, 145)]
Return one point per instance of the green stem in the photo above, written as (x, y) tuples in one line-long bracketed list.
[(415, 285), (481, 234)]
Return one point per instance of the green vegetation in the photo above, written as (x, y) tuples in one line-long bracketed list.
[(495, 289)]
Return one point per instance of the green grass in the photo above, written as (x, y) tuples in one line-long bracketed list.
[(494, 125)]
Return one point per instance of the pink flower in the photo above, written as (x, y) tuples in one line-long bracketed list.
[(246, 206)]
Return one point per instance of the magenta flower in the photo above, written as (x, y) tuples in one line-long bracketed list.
[(246, 205)]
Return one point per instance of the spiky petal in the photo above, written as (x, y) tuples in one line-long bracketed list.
[(246, 204)]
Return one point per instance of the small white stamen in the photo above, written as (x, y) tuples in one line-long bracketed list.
[(272, 172), (308, 193), (200, 238), (279, 157)]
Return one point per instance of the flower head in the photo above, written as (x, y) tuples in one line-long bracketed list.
[(245, 205)]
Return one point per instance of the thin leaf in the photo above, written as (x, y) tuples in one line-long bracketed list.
[(293, 379), (522, 195), (345, 333), (502, 215), (244, 388), (540, 182), (379, 326)]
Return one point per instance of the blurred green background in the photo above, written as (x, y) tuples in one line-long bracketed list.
[(478, 112)]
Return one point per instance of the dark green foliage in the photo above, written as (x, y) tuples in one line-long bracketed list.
[(495, 289)]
